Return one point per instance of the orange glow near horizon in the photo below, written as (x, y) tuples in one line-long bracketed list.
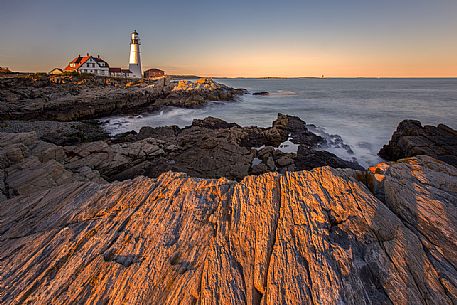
[(290, 63)]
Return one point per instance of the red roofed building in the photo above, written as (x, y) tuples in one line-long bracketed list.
[(88, 64), (118, 72), (153, 73)]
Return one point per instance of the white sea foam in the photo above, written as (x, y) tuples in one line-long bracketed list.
[(364, 112)]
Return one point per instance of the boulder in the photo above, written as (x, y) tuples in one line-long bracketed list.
[(263, 93), (213, 123), (412, 139), (309, 158)]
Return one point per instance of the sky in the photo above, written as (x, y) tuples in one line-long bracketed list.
[(250, 38)]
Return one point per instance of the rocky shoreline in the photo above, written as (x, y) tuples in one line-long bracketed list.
[(73, 98), (213, 213), (209, 148)]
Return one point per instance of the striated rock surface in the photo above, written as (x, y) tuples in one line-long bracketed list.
[(412, 139), (28, 165), (59, 133), (69, 98), (310, 237)]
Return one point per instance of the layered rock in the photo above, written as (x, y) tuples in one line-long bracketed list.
[(412, 139), (189, 94), (310, 237), (210, 148), (77, 97), (59, 133), (28, 165)]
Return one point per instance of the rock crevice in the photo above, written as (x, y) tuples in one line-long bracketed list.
[(315, 237)]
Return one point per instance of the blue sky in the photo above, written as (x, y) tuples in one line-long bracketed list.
[(245, 38)]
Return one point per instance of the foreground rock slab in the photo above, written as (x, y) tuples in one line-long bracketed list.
[(310, 237)]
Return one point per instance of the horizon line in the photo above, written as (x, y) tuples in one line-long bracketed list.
[(284, 77)]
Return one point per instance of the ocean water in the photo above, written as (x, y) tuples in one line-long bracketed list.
[(364, 112)]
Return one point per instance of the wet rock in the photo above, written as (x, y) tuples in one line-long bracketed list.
[(259, 169), (412, 139), (263, 93), (296, 129), (308, 158), (265, 152), (270, 163), (284, 161), (213, 123), (209, 148)]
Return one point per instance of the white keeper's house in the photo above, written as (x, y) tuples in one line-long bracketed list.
[(97, 66), (88, 64)]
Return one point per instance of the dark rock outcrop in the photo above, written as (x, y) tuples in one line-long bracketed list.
[(78, 97), (412, 139), (213, 123), (309, 237), (213, 148), (210, 148), (59, 133), (309, 158), (263, 93)]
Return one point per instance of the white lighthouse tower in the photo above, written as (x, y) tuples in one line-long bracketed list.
[(135, 61)]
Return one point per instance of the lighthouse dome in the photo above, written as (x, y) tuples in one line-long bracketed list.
[(134, 38)]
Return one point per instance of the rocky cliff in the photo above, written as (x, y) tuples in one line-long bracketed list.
[(308, 237)]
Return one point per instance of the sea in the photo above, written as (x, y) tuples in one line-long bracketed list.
[(363, 112)]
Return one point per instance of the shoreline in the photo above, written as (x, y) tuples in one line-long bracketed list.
[(70, 98)]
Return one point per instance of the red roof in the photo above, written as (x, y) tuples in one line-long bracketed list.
[(153, 70), (119, 70), (78, 61)]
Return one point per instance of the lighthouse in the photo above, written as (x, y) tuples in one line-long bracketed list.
[(135, 61)]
